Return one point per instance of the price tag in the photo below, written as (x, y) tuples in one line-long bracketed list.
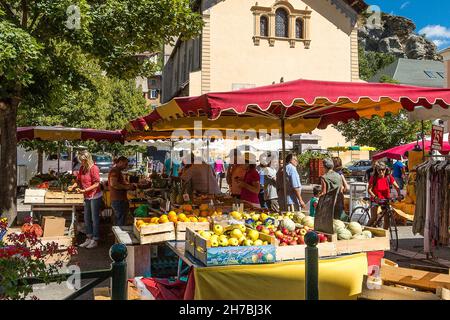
[(186, 197)]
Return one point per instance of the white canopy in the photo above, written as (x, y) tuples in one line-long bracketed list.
[(272, 145)]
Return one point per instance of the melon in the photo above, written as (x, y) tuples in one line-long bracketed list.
[(338, 224), (359, 236), (355, 228), (308, 221), (367, 234), (298, 217), (344, 234), (288, 224)]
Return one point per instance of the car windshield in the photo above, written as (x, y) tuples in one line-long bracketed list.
[(102, 158)]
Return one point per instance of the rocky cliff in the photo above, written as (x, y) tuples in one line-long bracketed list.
[(396, 35)]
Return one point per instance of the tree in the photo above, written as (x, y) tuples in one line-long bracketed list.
[(44, 45), (381, 133)]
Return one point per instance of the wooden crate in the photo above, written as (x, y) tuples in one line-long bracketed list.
[(54, 197), (77, 198), (326, 249), (379, 242), (154, 233), (35, 195), (180, 228), (190, 241), (216, 256)]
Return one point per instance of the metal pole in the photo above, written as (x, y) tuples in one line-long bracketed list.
[(119, 288), (283, 155), (423, 141), (59, 155), (311, 266)]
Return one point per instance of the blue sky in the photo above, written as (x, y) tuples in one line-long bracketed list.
[(432, 17)]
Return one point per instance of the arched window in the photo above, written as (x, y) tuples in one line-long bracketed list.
[(264, 26), (299, 28), (281, 23)]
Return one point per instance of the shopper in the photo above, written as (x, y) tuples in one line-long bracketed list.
[(270, 184), (330, 182), (399, 173), (339, 169), (250, 184), (380, 189), (294, 200), (88, 183), (201, 176), (314, 201), (236, 171), (219, 170), (118, 188)]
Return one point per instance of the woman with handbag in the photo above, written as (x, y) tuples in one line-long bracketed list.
[(88, 183)]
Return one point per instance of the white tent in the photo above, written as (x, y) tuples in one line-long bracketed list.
[(272, 145)]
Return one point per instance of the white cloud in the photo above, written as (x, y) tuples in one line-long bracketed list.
[(436, 31), (441, 43), (404, 5), (440, 35)]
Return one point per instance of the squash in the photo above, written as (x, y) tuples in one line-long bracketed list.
[(338, 224), (355, 228), (344, 234), (359, 236), (288, 224)]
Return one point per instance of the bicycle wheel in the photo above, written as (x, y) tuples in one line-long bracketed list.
[(360, 215), (393, 232)]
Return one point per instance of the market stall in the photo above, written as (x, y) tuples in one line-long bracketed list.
[(294, 107)]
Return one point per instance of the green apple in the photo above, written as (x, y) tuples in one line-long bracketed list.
[(241, 240), (242, 228), (214, 242), (218, 229), (223, 242), (248, 243), (233, 242)]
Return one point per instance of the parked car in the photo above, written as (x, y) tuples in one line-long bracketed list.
[(103, 161), (358, 169)]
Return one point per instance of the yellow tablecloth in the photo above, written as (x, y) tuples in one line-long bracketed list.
[(339, 279)]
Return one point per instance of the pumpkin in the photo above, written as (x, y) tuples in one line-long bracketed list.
[(288, 224), (308, 221), (355, 228), (344, 234)]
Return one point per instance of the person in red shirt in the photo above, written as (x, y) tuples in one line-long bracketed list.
[(88, 183), (250, 184), (380, 185)]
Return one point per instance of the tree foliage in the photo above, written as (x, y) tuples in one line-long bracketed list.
[(381, 133), (61, 61)]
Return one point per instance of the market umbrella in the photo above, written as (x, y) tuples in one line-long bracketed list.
[(59, 134), (398, 152), (351, 148), (294, 107)]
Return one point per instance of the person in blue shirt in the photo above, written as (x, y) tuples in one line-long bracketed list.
[(399, 173), (294, 200), (260, 169)]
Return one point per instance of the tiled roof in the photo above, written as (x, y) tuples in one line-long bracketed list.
[(358, 5)]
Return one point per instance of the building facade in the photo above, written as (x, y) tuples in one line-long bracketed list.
[(247, 44), (446, 55)]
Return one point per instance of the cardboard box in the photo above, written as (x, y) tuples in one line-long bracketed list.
[(53, 226)]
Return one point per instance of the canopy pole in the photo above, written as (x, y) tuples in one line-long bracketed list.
[(283, 155), (423, 141), (59, 156)]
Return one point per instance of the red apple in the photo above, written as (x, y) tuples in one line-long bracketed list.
[(279, 234), (285, 231), (301, 240), (295, 238), (293, 243), (259, 228), (283, 244)]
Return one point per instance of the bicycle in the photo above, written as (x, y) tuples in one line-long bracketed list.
[(386, 209)]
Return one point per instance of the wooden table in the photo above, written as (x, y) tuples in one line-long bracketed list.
[(139, 256), (58, 207)]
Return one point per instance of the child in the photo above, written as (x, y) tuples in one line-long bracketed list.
[(314, 200)]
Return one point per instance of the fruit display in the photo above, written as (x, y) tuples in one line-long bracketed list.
[(288, 237), (234, 235), (254, 220), (203, 210)]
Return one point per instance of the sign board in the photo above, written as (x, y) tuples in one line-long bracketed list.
[(437, 138)]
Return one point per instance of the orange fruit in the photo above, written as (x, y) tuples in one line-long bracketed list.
[(204, 213), (181, 217)]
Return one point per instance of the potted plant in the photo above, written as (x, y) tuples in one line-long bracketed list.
[(22, 255)]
